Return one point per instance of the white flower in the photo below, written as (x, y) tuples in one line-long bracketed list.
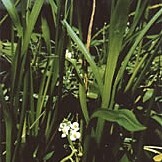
[(68, 54), (64, 128), (69, 129), (75, 126), (6, 98), (62, 125), (63, 135), (74, 135)]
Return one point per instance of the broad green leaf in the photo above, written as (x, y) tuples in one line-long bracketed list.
[(48, 156), (148, 94), (123, 117)]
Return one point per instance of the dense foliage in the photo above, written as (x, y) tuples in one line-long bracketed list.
[(76, 85)]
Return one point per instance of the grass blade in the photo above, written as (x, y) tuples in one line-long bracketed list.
[(8, 126), (117, 28), (137, 68), (116, 34), (46, 35), (11, 9), (138, 39), (54, 10), (31, 23), (83, 102), (86, 54)]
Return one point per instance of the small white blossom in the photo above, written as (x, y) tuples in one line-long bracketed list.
[(75, 126), (64, 128), (6, 98), (69, 129), (62, 125), (63, 135), (74, 135)]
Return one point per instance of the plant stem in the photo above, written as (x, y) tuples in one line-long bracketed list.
[(69, 157)]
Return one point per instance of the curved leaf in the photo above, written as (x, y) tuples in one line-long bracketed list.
[(31, 21), (48, 155), (124, 118), (86, 54), (10, 7), (157, 117), (148, 94)]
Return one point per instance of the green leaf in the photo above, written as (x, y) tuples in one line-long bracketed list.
[(124, 118), (141, 6), (134, 46), (46, 35), (54, 10), (135, 72), (86, 54), (83, 102), (156, 117), (148, 94), (48, 156), (118, 22), (13, 14), (31, 23), (8, 124)]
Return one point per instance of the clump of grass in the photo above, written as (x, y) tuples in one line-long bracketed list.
[(32, 102)]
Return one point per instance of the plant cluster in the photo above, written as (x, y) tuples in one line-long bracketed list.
[(64, 97)]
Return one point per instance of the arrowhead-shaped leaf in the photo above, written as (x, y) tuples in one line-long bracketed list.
[(123, 117)]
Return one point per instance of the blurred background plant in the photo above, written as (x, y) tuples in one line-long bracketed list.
[(102, 67)]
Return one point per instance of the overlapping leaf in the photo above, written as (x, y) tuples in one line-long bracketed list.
[(123, 117)]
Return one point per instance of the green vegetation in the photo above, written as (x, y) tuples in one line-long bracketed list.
[(67, 98)]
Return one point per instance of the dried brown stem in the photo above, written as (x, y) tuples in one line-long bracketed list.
[(91, 25), (89, 42)]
